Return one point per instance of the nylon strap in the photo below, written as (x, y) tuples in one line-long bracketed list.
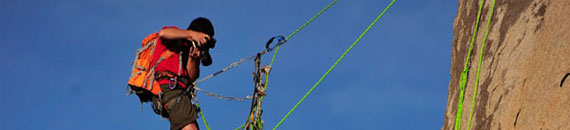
[(179, 63)]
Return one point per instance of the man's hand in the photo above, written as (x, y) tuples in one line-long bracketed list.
[(193, 63), (199, 37), (194, 53)]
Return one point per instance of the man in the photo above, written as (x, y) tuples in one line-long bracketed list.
[(174, 76)]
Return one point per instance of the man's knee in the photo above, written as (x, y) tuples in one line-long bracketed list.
[(191, 126)]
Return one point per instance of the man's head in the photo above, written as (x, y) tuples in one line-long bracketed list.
[(204, 25)]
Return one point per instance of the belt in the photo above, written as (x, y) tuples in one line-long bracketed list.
[(172, 78)]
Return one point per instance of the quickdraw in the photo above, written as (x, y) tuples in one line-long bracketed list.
[(254, 121)]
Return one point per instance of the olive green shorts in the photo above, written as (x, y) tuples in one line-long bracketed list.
[(176, 106)]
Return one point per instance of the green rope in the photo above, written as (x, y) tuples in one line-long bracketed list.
[(334, 65), (303, 26), (203, 118), (465, 72), (479, 64), (240, 127)]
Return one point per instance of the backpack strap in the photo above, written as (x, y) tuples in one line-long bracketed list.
[(152, 72), (179, 70), (179, 63)]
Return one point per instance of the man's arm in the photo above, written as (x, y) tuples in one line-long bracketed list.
[(193, 64), (175, 33)]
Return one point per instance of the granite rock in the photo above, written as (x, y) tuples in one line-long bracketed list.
[(524, 65)]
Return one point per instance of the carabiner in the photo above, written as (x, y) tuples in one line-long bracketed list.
[(280, 40), (172, 85)]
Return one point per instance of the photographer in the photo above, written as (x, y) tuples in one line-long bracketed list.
[(175, 75)]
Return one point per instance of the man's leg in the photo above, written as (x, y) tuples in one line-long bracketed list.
[(182, 113), (191, 126)]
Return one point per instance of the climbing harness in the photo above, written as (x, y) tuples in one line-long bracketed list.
[(464, 74)]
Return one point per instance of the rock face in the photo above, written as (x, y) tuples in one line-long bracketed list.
[(524, 64)]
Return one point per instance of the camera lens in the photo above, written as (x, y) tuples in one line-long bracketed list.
[(211, 43), (206, 59)]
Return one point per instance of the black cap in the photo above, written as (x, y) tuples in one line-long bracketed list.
[(202, 24)]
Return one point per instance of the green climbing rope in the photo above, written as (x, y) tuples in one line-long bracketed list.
[(334, 65), (300, 28), (463, 76), (479, 64), (465, 72), (202, 116), (240, 127)]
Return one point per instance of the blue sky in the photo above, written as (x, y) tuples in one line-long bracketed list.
[(64, 63)]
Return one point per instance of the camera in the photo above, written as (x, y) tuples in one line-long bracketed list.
[(205, 57)]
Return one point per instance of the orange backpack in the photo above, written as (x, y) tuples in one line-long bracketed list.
[(142, 81)]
